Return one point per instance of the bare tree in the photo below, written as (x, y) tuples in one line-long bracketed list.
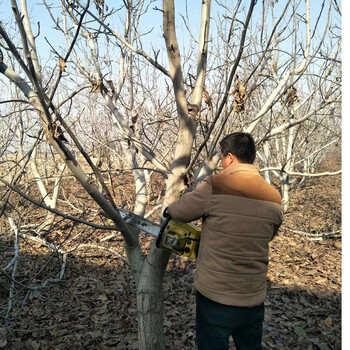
[(149, 269), (163, 115)]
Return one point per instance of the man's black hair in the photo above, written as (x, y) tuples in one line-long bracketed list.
[(241, 145)]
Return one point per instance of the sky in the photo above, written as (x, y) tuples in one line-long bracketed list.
[(152, 21)]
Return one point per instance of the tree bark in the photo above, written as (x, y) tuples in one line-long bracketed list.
[(149, 298)]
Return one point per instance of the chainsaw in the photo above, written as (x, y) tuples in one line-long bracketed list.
[(180, 238)]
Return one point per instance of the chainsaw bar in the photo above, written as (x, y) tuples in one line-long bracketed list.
[(140, 222)]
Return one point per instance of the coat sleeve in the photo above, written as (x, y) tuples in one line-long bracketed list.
[(192, 205)]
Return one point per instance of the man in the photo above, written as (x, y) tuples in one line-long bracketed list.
[(241, 214)]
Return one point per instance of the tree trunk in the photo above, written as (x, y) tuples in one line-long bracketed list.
[(206, 168), (149, 299), (267, 157), (285, 192)]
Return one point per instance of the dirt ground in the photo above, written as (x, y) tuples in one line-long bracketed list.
[(94, 307)]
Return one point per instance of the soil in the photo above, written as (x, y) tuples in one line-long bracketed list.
[(94, 306)]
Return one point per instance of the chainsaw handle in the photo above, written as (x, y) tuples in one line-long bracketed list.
[(162, 229), (165, 213)]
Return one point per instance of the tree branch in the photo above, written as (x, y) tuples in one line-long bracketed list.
[(228, 86), (55, 211), (295, 173), (127, 44)]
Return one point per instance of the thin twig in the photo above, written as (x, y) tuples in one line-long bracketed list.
[(96, 246), (295, 173), (153, 210), (228, 86), (318, 236)]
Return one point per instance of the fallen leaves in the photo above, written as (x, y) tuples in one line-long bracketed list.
[(328, 321), (96, 307), (304, 297)]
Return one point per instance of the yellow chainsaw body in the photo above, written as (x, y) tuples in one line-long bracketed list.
[(180, 238)]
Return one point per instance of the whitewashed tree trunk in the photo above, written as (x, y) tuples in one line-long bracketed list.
[(50, 201), (206, 168), (149, 299), (267, 157), (149, 286)]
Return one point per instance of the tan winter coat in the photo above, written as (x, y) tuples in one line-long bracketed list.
[(241, 213)]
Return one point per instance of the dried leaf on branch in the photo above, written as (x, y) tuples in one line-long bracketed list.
[(111, 86), (58, 132), (100, 4), (207, 98), (62, 64), (239, 95), (292, 96), (97, 86)]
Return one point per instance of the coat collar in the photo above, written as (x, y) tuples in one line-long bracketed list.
[(242, 168)]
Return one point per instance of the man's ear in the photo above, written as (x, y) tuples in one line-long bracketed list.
[(233, 159)]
